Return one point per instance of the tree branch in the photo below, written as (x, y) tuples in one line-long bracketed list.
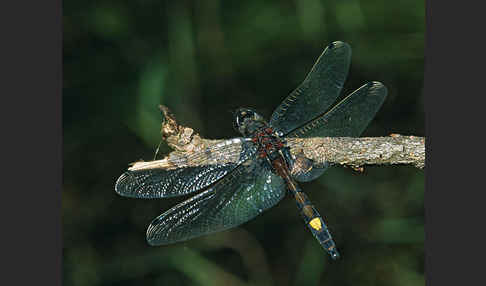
[(356, 152), (345, 151)]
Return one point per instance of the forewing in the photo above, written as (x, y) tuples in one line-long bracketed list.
[(317, 92), (349, 117), (238, 197), (175, 180)]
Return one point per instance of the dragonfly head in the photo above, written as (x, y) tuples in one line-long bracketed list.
[(247, 121)]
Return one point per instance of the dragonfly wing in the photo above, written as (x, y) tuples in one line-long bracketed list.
[(238, 197), (175, 180), (315, 172), (349, 117), (302, 168), (318, 91)]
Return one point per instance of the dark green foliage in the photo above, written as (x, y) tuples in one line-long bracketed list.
[(204, 59)]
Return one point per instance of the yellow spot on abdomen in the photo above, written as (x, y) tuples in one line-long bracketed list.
[(315, 223)]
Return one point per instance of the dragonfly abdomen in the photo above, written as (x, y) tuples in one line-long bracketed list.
[(314, 221), (311, 216)]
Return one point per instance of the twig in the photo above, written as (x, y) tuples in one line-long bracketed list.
[(346, 151), (356, 152)]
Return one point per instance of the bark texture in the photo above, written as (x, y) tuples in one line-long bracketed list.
[(352, 152)]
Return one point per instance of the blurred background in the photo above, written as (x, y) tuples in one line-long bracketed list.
[(203, 59)]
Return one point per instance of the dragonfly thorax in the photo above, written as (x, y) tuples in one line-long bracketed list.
[(268, 143)]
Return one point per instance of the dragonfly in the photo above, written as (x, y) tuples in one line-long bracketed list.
[(263, 171)]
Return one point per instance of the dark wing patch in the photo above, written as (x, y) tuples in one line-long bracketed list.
[(237, 198)]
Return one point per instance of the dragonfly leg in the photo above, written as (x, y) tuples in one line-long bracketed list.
[(285, 152), (316, 224)]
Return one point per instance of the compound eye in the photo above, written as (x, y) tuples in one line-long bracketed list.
[(247, 113), (244, 114), (241, 115)]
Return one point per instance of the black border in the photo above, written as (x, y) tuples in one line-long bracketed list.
[(31, 83)]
